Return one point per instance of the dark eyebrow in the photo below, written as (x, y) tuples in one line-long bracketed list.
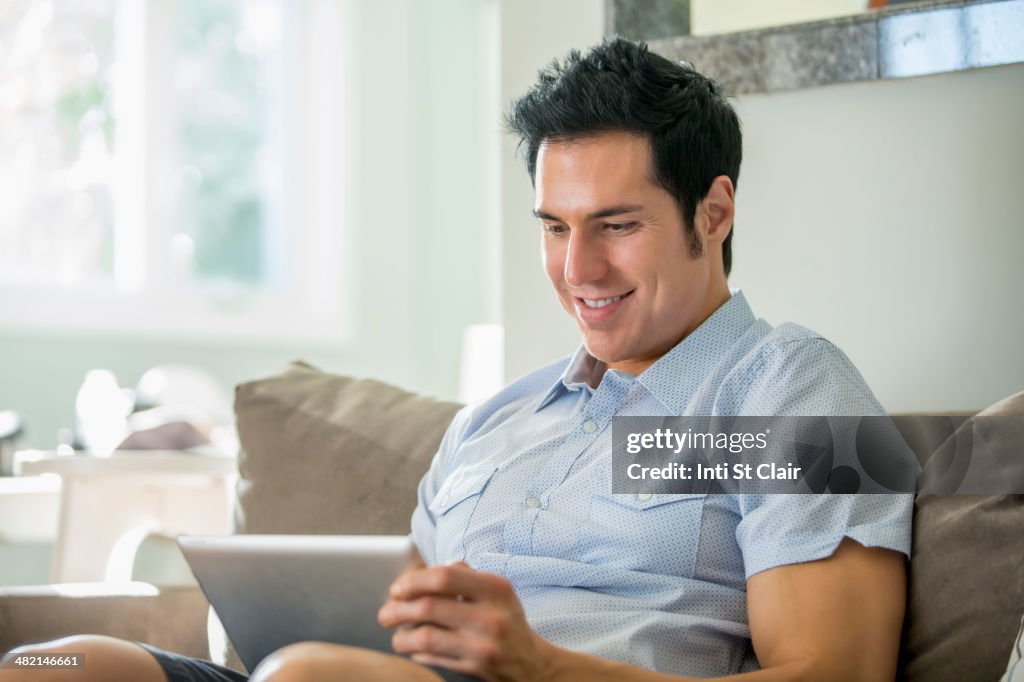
[(603, 213)]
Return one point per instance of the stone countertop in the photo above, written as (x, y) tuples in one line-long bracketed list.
[(916, 40)]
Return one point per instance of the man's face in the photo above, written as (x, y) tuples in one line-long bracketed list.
[(616, 250)]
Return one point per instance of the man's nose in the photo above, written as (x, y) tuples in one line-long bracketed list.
[(584, 260)]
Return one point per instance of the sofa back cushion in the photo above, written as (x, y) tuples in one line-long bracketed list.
[(966, 590), (327, 454)]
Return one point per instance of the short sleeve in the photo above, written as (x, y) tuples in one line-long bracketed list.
[(807, 375), (799, 374), (776, 530)]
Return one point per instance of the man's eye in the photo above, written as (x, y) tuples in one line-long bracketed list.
[(554, 229), (620, 227)]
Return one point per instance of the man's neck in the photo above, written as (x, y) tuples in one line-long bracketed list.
[(638, 366)]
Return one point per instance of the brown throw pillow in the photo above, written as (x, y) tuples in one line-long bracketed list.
[(322, 453), (966, 591)]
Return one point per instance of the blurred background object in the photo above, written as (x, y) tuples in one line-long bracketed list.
[(179, 407), (183, 386), (482, 372), (101, 412), (173, 407)]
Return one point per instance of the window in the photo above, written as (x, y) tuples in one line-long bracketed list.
[(150, 159), (56, 139)]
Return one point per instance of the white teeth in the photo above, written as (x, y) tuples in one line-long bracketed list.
[(600, 302)]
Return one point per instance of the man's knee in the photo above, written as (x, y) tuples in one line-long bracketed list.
[(103, 658), (303, 661), (290, 663), (92, 646), (307, 661)]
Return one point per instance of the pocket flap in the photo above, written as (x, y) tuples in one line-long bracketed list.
[(462, 484)]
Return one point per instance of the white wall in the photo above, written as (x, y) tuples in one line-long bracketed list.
[(533, 32), (423, 177), (887, 215)]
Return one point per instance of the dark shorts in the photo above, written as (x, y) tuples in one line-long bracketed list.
[(180, 668)]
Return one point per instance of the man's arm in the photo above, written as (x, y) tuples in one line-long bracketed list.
[(837, 619)]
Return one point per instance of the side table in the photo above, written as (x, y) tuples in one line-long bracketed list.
[(108, 505)]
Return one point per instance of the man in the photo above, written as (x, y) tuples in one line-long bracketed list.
[(533, 569)]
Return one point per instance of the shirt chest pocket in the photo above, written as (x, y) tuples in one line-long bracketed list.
[(453, 508), (650, 533)]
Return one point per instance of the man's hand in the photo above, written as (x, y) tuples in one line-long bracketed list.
[(467, 621)]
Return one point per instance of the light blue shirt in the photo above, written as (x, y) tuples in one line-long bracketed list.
[(521, 487)]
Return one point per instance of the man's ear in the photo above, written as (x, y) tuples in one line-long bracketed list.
[(716, 211)]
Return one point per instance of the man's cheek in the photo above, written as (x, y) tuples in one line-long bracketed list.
[(554, 268)]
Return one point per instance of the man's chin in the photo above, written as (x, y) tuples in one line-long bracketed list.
[(601, 351)]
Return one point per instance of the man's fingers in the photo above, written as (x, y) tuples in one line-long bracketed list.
[(456, 664), (460, 651), (443, 611), (428, 639), (455, 580)]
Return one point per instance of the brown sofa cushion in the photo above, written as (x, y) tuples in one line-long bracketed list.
[(172, 618), (966, 591), (322, 453)]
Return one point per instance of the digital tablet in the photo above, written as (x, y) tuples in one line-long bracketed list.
[(273, 590)]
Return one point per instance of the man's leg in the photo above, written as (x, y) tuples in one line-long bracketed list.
[(106, 660), (316, 661)]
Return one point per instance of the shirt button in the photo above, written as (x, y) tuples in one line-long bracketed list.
[(589, 426), (532, 502), (445, 500)]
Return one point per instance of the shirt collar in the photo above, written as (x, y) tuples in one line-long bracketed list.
[(578, 373), (676, 375)]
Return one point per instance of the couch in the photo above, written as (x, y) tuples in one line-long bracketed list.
[(322, 453)]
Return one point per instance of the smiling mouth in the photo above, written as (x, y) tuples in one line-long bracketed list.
[(602, 302)]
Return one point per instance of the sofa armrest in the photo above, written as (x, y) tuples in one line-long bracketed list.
[(172, 618)]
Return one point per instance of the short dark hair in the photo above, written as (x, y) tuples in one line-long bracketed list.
[(620, 85)]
